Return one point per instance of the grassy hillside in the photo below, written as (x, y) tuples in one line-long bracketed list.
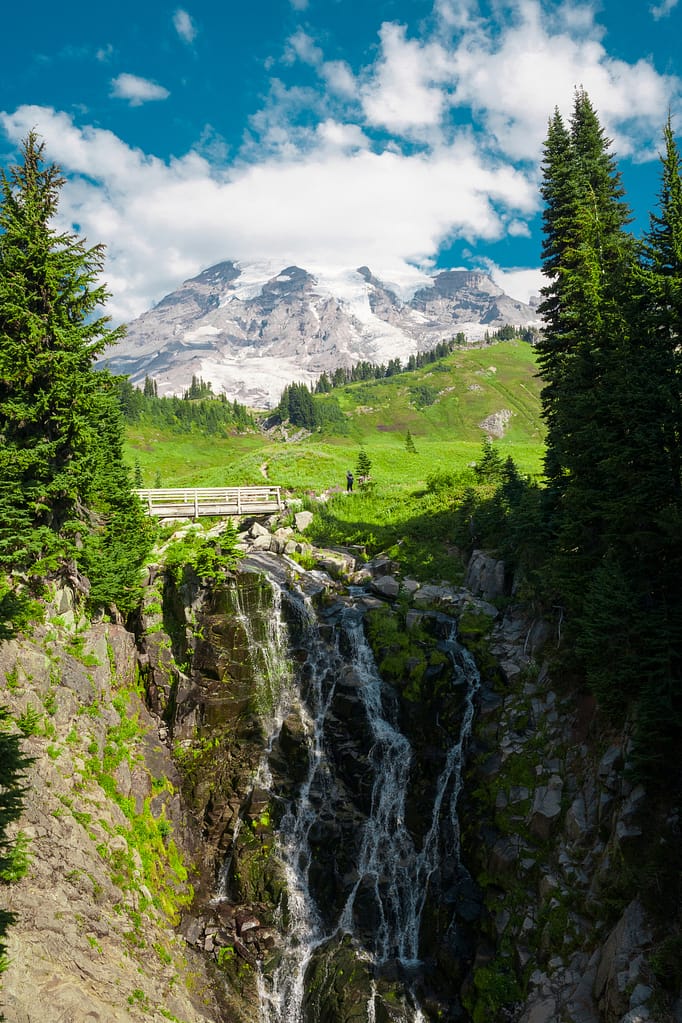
[(442, 405)]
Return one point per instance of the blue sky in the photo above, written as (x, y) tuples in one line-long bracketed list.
[(400, 134)]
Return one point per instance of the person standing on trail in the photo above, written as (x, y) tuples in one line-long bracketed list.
[(349, 481)]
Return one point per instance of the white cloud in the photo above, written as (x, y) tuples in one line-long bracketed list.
[(339, 78), (522, 284), (437, 140), (337, 74), (404, 92), (341, 205), (105, 53), (301, 46), (540, 61), (184, 25), (333, 135), (137, 90), (663, 9)]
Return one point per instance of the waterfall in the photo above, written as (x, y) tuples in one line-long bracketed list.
[(281, 996), (392, 871), (268, 643)]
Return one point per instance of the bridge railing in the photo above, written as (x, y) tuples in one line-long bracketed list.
[(192, 502)]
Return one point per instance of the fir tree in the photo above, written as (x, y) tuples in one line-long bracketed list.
[(363, 467), (55, 420), (13, 766), (409, 444), (588, 258), (49, 338)]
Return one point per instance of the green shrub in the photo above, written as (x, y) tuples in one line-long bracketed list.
[(30, 722), (209, 557), (17, 862)]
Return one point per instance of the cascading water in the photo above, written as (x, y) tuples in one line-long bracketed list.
[(267, 651), (389, 877)]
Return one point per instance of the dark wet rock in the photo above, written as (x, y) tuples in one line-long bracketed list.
[(386, 586)]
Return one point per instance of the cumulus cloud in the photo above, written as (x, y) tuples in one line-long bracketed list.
[(137, 90), (404, 92), (540, 63), (301, 46), (343, 205), (522, 283), (417, 88), (184, 26)]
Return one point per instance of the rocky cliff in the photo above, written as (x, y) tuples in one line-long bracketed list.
[(168, 758), (251, 330), (108, 839)]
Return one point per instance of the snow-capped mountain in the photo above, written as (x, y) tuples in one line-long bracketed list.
[(251, 330)]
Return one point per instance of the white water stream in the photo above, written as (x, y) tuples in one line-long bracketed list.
[(389, 865)]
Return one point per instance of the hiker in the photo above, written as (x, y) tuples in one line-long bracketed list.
[(349, 481)]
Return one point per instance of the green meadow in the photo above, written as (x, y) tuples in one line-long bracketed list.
[(403, 511), (442, 406)]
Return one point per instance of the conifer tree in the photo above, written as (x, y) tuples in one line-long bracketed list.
[(55, 438), (49, 339), (659, 300), (611, 365), (588, 258), (14, 763), (363, 466)]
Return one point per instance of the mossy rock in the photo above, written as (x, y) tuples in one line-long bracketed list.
[(338, 985)]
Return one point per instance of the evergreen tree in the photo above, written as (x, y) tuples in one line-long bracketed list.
[(409, 444), (659, 301), (363, 467), (55, 418), (588, 258), (49, 338), (13, 766), (611, 367), (491, 466)]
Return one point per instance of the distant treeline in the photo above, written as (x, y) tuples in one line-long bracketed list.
[(198, 411)]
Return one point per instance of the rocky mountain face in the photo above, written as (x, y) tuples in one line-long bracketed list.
[(528, 915), (250, 330)]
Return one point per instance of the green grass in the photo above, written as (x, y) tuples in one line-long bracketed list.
[(447, 434)]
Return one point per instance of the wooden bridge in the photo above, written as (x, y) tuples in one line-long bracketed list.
[(192, 502)]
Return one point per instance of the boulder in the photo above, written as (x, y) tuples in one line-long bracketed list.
[(615, 979), (303, 520), (485, 576), (338, 564), (386, 586), (262, 542), (541, 1012), (546, 807)]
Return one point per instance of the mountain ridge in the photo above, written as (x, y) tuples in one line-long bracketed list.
[(250, 331)]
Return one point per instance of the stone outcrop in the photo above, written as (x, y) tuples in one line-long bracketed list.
[(557, 820), (95, 936)]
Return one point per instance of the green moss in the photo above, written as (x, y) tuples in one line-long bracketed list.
[(495, 987), (474, 631)]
